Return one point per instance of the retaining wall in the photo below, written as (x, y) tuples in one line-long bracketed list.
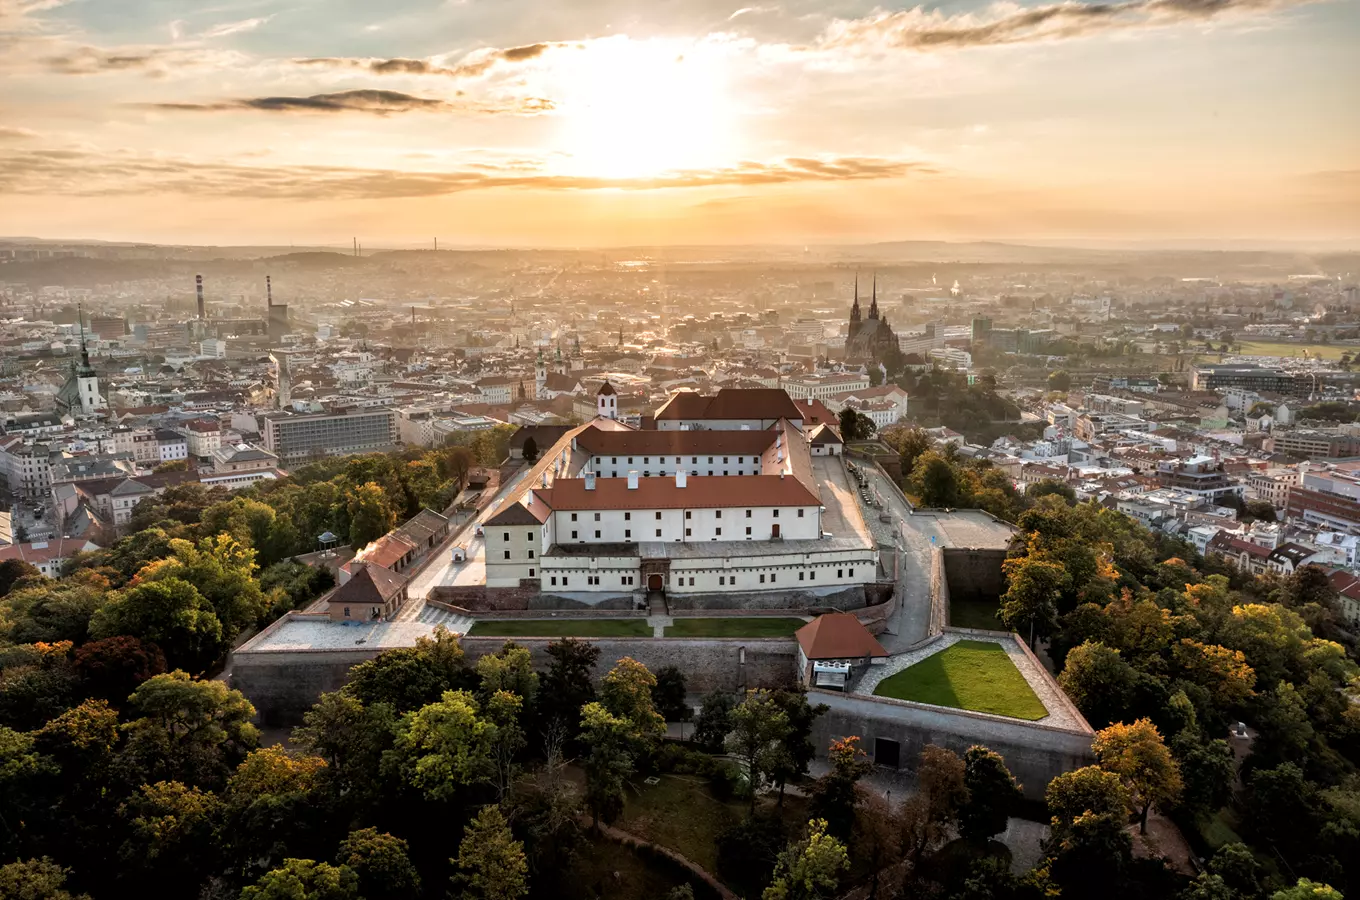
[(1035, 753), (974, 574), (284, 684), (851, 598)]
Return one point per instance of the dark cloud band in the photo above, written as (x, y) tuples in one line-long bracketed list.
[(373, 102)]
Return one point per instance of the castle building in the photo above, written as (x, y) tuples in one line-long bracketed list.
[(871, 339)]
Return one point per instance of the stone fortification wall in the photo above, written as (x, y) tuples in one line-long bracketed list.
[(852, 598), (974, 574), (284, 684), (1034, 753)]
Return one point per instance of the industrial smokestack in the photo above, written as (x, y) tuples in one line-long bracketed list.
[(198, 284), (268, 292)]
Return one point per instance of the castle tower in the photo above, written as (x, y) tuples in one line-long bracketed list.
[(607, 402)]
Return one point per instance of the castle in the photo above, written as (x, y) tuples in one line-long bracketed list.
[(868, 340)]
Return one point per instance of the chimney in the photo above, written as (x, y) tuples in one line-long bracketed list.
[(681, 477), (198, 284), (590, 481), (268, 292), (632, 479)]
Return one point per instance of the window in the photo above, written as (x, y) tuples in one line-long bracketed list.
[(800, 576), (554, 581), (724, 459), (627, 532), (528, 536), (628, 517), (646, 459), (776, 513), (840, 573), (710, 459), (691, 582), (658, 532), (689, 532), (800, 513), (573, 517), (597, 534), (507, 554), (564, 581), (852, 573), (614, 460), (812, 576), (748, 514), (693, 459), (718, 514), (531, 573), (531, 554), (597, 517), (772, 577), (630, 459), (722, 580), (658, 516), (689, 514), (748, 530), (762, 579), (573, 535), (677, 460), (346, 612), (506, 536), (717, 532), (724, 471)]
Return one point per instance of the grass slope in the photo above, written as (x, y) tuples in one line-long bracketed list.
[(972, 675), (749, 627), (561, 628)]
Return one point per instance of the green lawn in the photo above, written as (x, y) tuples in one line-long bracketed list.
[(748, 627), (973, 675), (975, 614), (561, 628)]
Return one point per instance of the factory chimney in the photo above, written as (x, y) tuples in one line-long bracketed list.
[(268, 292), (198, 284)]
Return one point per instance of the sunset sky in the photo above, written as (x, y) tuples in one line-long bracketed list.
[(590, 122)]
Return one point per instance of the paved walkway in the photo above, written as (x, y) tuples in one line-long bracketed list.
[(659, 624), (910, 622)]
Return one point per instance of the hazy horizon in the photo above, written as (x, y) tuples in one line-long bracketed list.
[(1207, 124)]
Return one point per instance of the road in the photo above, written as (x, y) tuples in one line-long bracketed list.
[(910, 622)]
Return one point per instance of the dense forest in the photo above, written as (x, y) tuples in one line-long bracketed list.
[(126, 768)]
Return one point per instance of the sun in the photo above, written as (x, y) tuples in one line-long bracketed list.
[(638, 109)]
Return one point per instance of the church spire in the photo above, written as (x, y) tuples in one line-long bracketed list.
[(854, 310), (873, 307), (84, 350)]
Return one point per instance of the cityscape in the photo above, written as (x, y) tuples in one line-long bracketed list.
[(455, 450)]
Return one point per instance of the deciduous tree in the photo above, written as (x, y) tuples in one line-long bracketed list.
[(381, 863), (993, 795), (305, 879), (810, 869), (1136, 753), (444, 746), (491, 864)]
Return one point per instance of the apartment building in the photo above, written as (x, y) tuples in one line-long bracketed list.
[(295, 438)]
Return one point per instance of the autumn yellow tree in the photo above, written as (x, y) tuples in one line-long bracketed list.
[(1135, 752)]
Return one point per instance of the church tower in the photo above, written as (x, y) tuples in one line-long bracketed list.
[(607, 402), (873, 307), (540, 373), (79, 396), (854, 310)]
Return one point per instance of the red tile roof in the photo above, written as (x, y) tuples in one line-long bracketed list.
[(674, 443), (838, 636), (731, 403)]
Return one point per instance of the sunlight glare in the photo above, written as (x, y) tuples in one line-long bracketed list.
[(638, 109)]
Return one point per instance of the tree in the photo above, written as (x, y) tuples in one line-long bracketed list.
[(305, 879), (849, 424), (930, 816), (1306, 889), (1059, 380), (936, 482), (408, 678), (568, 684), (35, 879), (444, 746), (14, 570), (1086, 790), (796, 750), (1051, 487), (172, 614), (370, 514), (1034, 586), (875, 841), (668, 696), (113, 668), (1137, 755), (187, 730), (609, 761), (715, 721), (381, 863), (835, 794), (627, 693), (170, 836), (503, 709), (912, 444), (491, 864), (810, 868), (992, 795), (530, 449), (352, 739), (1099, 682), (758, 728), (511, 670)]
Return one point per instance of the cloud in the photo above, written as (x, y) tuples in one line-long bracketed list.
[(1007, 23), (152, 61), (374, 102), (16, 134), (16, 15), (229, 28), (476, 63), (81, 173)]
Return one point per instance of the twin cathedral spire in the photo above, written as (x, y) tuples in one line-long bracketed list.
[(873, 306)]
